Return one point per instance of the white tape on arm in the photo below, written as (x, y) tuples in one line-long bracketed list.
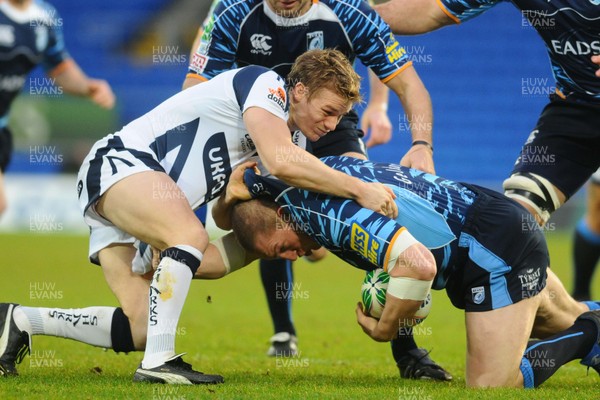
[(232, 253), (400, 242), (408, 288)]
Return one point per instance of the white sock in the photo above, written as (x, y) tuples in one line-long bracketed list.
[(168, 290), (89, 325)]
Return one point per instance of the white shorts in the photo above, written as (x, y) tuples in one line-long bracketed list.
[(99, 171)]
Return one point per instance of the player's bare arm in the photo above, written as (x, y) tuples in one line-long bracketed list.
[(74, 81), (301, 169), (374, 121), (417, 105), (235, 191), (411, 17), (413, 272)]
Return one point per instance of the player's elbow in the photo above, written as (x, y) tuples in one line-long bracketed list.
[(419, 263)]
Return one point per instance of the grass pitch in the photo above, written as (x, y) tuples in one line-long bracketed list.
[(225, 328)]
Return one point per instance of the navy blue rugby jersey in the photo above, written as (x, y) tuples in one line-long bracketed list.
[(243, 32), (570, 29), (431, 208), (27, 38)]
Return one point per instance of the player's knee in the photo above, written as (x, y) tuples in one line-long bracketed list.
[(192, 234), (536, 193)]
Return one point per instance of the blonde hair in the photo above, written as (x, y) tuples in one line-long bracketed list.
[(319, 69)]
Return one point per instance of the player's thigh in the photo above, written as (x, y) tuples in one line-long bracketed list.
[(563, 147), (150, 206), (557, 310), (130, 289), (496, 341)]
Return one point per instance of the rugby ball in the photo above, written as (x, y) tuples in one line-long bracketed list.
[(373, 290)]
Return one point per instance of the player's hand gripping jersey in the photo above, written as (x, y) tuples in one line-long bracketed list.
[(570, 30), (433, 210)]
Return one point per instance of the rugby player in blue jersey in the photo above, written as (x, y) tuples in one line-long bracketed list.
[(568, 125), (31, 35), (466, 239), (272, 33)]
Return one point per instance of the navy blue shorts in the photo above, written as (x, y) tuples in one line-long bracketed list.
[(6, 148), (345, 138), (501, 257), (564, 147)]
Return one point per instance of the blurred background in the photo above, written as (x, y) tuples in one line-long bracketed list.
[(488, 81)]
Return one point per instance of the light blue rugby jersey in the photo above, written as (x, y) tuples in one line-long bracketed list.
[(433, 209)]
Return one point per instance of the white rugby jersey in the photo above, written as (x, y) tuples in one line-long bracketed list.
[(197, 136)]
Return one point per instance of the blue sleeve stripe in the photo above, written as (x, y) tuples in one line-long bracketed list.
[(243, 81)]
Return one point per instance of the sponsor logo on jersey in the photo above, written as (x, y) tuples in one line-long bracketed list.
[(11, 83), (478, 294), (208, 28), (7, 35), (277, 96), (530, 279), (362, 242), (575, 48), (247, 144), (198, 62), (260, 44), (393, 50), (314, 40), (217, 166)]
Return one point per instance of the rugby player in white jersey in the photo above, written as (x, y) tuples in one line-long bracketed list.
[(143, 182)]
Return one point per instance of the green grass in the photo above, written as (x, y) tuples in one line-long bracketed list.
[(229, 335)]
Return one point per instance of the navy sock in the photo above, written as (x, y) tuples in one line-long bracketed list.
[(543, 357), (403, 343), (586, 253), (278, 280)]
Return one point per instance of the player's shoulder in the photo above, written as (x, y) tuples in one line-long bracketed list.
[(251, 73), (348, 5), (234, 8)]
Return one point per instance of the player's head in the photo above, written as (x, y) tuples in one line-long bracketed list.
[(262, 229), (289, 8), (323, 87)]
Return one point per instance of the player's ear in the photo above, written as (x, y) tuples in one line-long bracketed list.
[(299, 91)]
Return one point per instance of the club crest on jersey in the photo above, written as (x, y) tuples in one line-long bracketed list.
[(277, 96), (478, 294), (260, 44), (314, 40), (7, 35), (363, 243)]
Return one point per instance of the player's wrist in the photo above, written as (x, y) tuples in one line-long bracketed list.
[(380, 106), (424, 143)]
